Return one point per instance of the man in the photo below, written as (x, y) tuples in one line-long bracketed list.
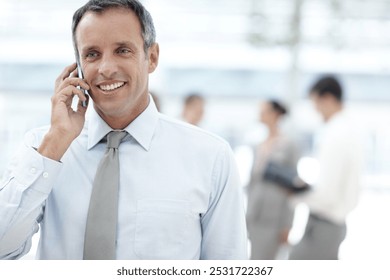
[(178, 195), (335, 193), (193, 109)]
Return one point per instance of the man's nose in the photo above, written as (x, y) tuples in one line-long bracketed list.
[(108, 66)]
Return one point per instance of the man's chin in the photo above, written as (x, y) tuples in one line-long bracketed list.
[(108, 110)]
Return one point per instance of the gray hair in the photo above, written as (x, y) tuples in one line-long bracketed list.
[(99, 6)]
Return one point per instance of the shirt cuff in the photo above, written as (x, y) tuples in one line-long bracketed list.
[(36, 171)]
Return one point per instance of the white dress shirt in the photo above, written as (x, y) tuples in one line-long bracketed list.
[(339, 153), (179, 194)]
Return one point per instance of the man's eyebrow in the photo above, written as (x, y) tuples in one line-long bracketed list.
[(88, 48), (118, 44), (126, 44)]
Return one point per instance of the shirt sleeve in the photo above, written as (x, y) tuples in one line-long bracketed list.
[(336, 192), (223, 225), (24, 189)]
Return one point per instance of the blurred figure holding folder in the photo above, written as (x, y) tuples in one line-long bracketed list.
[(269, 215)]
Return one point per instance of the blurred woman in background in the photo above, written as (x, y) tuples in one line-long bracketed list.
[(269, 214)]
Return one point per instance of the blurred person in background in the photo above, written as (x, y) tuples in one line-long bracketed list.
[(335, 194), (269, 213), (193, 109), (164, 193)]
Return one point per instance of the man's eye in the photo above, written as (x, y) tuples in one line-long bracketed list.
[(123, 50), (91, 55)]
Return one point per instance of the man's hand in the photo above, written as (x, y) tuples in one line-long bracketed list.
[(66, 124)]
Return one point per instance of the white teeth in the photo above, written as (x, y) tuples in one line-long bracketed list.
[(111, 87)]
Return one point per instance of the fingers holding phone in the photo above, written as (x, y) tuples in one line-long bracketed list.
[(64, 118), (66, 123), (70, 77)]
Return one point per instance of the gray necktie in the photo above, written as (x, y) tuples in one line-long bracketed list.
[(100, 232)]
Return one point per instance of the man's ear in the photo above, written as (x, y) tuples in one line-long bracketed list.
[(153, 55)]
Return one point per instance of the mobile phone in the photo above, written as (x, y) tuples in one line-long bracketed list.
[(81, 76)]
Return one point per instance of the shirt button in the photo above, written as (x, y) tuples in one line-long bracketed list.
[(33, 170), (45, 175)]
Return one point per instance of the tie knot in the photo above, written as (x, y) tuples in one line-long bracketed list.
[(114, 138)]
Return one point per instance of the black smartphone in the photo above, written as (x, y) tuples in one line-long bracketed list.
[(81, 76)]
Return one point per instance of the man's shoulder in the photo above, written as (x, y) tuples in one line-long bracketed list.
[(345, 126)]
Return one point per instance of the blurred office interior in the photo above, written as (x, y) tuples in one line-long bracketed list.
[(235, 53)]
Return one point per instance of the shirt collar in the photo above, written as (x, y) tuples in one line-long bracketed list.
[(141, 129)]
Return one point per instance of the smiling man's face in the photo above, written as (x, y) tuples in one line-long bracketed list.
[(115, 64)]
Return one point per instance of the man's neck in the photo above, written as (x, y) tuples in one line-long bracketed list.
[(121, 121), (333, 112)]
